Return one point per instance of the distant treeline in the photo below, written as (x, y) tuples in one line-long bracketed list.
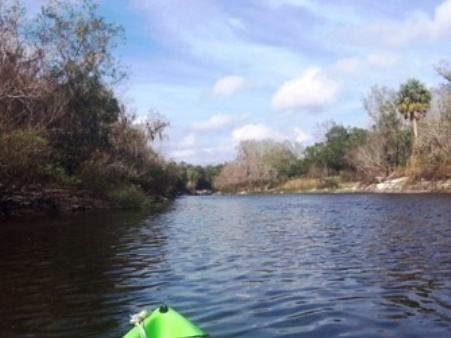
[(410, 135)]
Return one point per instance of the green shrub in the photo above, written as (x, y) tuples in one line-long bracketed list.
[(100, 173), (94, 181), (23, 156), (56, 173), (131, 197)]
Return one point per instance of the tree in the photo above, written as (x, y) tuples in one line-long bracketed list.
[(27, 96), (315, 157), (60, 120), (331, 156), (282, 157), (369, 159), (444, 69), (387, 145), (78, 42), (87, 124), (259, 164), (434, 142), (232, 178), (413, 102), (336, 143), (77, 45), (357, 137), (395, 139), (253, 159)]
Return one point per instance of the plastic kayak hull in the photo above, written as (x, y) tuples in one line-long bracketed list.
[(165, 322)]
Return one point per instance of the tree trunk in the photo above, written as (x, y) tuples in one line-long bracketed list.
[(414, 125), (413, 156)]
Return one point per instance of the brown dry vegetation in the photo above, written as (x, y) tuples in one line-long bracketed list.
[(388, 149), (60, 122)]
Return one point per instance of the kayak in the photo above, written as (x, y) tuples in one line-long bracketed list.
[(163, 322)]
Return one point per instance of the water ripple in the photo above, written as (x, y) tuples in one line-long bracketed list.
[(239, 266)]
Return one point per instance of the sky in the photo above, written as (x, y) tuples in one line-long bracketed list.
[(223, 71)]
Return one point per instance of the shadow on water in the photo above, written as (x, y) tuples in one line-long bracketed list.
[(73, 276)]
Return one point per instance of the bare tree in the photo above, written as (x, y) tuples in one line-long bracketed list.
[(434, 142), (369, 158), (390, 141), (27, 98)]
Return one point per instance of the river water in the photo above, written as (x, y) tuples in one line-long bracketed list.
[(238, 266)]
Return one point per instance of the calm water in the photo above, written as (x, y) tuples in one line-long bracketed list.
[(238, 266)]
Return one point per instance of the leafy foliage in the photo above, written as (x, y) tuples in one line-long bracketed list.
[(23, 157), (60, 120), (413, 101), (131, 197), (331, 156)]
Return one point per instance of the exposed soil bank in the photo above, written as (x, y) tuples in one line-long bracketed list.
[(39, 200), (396, 185), (403, 185)]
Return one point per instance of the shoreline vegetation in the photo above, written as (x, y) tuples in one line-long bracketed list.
[(56, 200), (66, 140), (68, 143), (400, 185)]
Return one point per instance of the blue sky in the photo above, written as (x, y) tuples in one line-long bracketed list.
[(222, 71)]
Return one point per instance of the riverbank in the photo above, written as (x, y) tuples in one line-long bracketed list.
[(38, 200), (46, 200), (396, 185)]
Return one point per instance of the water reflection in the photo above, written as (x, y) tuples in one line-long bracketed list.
[(76, 274)]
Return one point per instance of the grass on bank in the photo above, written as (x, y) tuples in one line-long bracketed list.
[(131, 197), (311, 184)]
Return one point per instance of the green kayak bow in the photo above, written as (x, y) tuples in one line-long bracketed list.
[(163, 322)]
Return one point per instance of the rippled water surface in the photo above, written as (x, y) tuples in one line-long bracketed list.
[(238, 266)]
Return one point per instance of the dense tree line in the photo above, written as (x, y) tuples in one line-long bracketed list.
[(410, 135), (60, 121)]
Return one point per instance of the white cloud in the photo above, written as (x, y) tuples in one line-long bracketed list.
[(188, 141), (215, 154), (382, 60), (254, 132), (300, 136), (215, 122), (182, 155), (417, 26), (440, 26), (379, 60), (228, 85), (347, 66), (312, 90)]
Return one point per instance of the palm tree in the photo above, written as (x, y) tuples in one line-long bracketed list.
[(413, 101)]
